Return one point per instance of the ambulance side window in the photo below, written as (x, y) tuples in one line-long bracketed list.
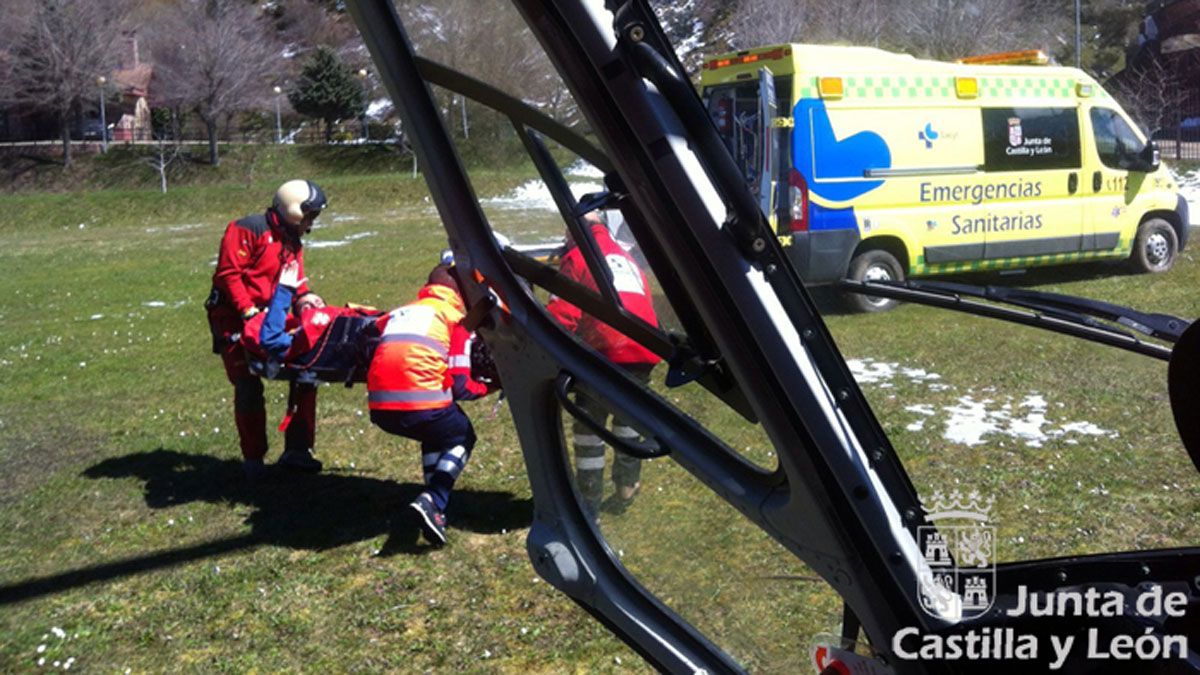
[(1030, 139), (1116, 142)]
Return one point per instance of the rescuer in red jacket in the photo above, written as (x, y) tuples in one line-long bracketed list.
[(253, 250), (417, 373), (631, 285)]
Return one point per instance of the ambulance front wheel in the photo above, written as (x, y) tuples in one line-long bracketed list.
[(875, 265), (1155, 247)]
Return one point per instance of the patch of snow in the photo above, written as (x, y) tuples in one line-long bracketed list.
[(971, 420), (584, 169), (1087, 429), (534, 195), (336, 243), (869, 371), (379, 108), (175, 228), (1189, 187)]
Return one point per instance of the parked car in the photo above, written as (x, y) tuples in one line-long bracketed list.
[(90, 130)]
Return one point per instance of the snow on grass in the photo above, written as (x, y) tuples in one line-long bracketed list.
[(974, 419), (535, 196), (336, 243), (173, 228), (1189, 187)]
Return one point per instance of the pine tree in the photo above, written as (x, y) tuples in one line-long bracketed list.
[(327, 89)]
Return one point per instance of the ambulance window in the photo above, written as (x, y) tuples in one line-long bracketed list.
[(1030, 139), (1116, 142)]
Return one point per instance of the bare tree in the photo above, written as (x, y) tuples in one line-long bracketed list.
[(166, 151), (941, 29), (952, 29), (59, 49), (304, 25), (1153, 96), (756, 23), (513, 62), (215, 57)]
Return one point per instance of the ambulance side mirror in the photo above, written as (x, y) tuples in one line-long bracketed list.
[(1149, 158)]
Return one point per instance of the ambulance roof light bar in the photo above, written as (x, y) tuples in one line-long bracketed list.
[(1026, 57), (747, 57)]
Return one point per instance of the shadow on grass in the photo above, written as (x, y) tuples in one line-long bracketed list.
[(313, 512)]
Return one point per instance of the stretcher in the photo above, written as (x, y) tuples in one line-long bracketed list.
[(341, 355)]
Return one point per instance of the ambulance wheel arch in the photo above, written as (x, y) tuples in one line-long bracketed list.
[(1156, 245), (876, 259)]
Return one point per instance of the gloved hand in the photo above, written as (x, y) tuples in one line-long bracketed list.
[(289, 276), (249, 313)]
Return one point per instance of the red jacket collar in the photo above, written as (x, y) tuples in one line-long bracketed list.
[(280, 229)]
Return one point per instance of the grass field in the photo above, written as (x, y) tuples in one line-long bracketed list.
[(131, 542)]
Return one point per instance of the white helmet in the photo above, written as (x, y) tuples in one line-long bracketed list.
[(296, 200)]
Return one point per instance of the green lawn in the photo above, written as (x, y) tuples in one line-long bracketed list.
[(128, 530)]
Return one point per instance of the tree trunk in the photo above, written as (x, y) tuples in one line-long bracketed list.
[(213, 158), (328, 132), (64, 127), (162, 165)]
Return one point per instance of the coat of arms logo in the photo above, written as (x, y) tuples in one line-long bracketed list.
[(958, 576), (1014, 131)]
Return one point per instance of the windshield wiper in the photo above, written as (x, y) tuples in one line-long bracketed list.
[(1079, 317)]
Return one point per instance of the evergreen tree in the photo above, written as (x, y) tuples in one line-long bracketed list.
[(327, 89)]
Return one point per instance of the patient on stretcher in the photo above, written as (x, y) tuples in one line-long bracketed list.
[(316, 343)]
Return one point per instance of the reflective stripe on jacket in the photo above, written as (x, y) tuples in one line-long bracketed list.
[(410, 368)]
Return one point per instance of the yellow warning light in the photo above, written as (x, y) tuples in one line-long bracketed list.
[(1083, 89), (831, 87), (1026, 57), (966, 87)]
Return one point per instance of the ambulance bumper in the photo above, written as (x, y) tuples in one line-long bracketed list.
[(822, 256)]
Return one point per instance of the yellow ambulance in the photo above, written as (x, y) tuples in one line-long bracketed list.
[(884, 166)]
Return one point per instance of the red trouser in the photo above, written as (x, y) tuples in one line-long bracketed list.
[(250, 411)]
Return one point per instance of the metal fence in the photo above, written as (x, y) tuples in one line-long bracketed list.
[(1179, 136), (40, 132)]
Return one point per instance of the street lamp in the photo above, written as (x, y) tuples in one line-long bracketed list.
[(362, 73), (278, 126), (100, 82), (1078, 35)]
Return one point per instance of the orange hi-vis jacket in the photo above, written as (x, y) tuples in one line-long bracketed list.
[(411, 369)]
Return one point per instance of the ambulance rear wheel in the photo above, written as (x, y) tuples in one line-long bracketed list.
[(1155, 247), (875, 265)]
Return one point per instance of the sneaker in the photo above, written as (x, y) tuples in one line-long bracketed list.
[(254, 470), (433, 521), (300, 460)]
